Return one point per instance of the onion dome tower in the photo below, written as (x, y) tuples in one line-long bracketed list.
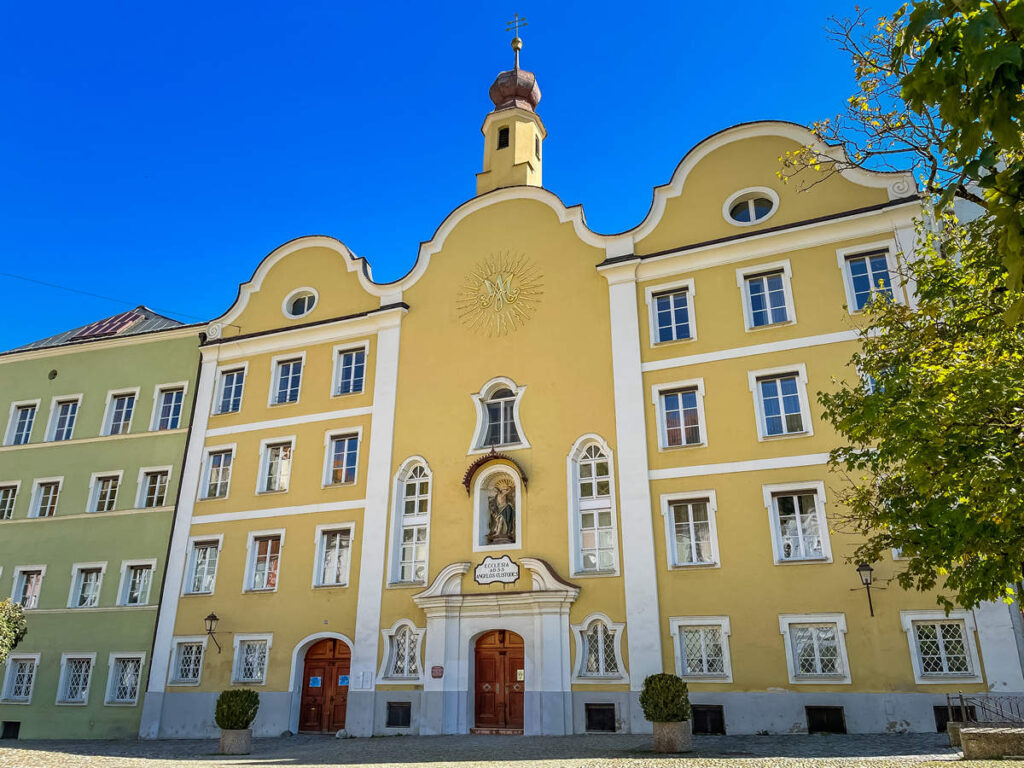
[(513, 132)]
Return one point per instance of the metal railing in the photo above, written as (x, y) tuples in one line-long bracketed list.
[(984, 708)]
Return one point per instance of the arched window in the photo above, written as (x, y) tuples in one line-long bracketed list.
[(501, 423), (403, 658), (595, 541), (412, 523), (498, 425), (598, 646)]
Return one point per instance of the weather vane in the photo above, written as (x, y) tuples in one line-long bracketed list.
[(514, 26)]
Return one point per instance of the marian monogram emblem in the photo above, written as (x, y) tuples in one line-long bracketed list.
[(499, 295)]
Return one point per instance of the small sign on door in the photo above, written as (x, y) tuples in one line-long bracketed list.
[(315, 682), (520, 675), (342, 679)]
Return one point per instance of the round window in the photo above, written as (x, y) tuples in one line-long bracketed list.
[(750, 206), (300, 303)]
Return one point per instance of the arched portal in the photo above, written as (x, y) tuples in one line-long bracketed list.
[(500, 680), (325, 686)]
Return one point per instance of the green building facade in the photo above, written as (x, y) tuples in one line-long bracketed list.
[(94, 423)]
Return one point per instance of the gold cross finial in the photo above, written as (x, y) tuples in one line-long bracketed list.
[(514, 26)]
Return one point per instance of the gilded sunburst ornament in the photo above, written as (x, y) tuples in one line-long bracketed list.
[(499, 295)]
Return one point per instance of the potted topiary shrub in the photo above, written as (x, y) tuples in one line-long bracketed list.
[(666, 703), (236, 709)]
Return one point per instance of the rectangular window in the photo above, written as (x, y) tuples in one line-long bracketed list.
[(288, 379), (694, 543), (64, 424), (413, 562), (8, 495), (266, 559), (335, 551), (597, 540), (203, 568), (169, 408), (231, 384), (74, 680), (154, 488), (24, 418), (120, 410), (869, 277), (399, 714), (251, 661), (672, 315), (767, 296), (702, 651), (21, 674), (46, 499), (681, 418), (343, 458), (27, 587), (218, 476), (798, 526), (277, 467), (942, 648), (815, 650), (137, 581), (124, 680), (86, 592), (781, 406), (105, 493), (188, 663), (501, 422), (351, 371)]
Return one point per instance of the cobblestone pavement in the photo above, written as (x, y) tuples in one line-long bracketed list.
[(592, 751)]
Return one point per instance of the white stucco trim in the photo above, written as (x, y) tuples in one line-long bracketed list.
[(787, 620), (687, 285), (177, 640), (731, 467), (677, 623), (966, 619), (750, 350), (578, 630), (291, 421), (480, 403), (666, 501), (263, 514), (817, 487), (767, 192), (800, 369), (575, 510), (9, 670), (387, 658)]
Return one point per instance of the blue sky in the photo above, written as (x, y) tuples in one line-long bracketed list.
[(155, 152)]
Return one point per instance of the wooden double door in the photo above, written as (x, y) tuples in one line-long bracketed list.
[(500, 680), (325, 686)]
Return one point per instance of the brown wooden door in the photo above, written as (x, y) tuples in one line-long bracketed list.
[(325, 687), (500, 680)]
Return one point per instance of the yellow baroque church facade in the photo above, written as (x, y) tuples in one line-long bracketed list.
[(497, 493)]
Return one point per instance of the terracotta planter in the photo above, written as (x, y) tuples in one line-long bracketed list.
[(236, 742), (672, 737)]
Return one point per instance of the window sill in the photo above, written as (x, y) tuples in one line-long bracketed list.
[(839, 679), (260, 591), (406, 584), (770, 326), (71, 703), (212, 498), (121, 704), (326, 586), (22, 702), (694, 566), (285, 402), (197, 594), (584, 573), (725, 678), (661, 344), (702, 444), (769, 438), (339, 485), (347, 394), (481, 449), (184, 683), (805, 561), (277, 492), (248, 682)]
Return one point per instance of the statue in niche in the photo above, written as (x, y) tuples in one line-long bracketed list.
[(501, 508)]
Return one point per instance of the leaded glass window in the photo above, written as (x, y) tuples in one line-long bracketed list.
[(124, 680), (252, 661), (188, 662), (942, 648), (815, 650), (599, 651), (702, 650), (20, 676), (74, 684), (404, 653)]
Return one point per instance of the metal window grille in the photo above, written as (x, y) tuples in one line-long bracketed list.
[(815, 650), (21, 676), (289, 378), (121, 410), (124, 683), (252, 663), (170, 408), (66, 413), (780, 405), (75, 683), (703, 655), (403, 654), (767, 296), (799, 528), (682, 417), (672, 313), (599, 658), (336, 552), (351, 371), (942, 648), (23, 426), (692, 523), (156, 489), (188, 662), (344, 454)]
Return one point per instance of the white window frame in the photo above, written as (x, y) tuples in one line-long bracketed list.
[(320, 553), (219, 389), (786, 620), (678, 623), (293, 295), (336, 355), (480, 403), (94, 489), (742, 273), (275, 375), (398, 520), (12, 420), (177, 640), (16, 583), (108, 410), (250, 560), (190, 563), (800, 371), (384, 673), (730, 201), (204, 481), (261, 475), (578, 630), (268, 638), (64, 657), (16, 485), (8, 681), (140, 493), (37, 495), (891, 262), (51, 422), (154, 419), (688, 497), (329, 436), (125, 583), (657, 390), (574, 506), (907, 621), (108, 698), (684, 284), (73, 592), (820, 504)]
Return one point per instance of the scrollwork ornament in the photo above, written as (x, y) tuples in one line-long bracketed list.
[(499, 295)]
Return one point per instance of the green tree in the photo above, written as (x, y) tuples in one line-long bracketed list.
[(13, 627), (933, 419)]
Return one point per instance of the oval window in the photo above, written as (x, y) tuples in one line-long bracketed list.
[(300, 303), (751, 206)]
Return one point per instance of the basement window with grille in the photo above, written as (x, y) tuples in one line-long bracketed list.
[(600, 718), (399, 714)]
